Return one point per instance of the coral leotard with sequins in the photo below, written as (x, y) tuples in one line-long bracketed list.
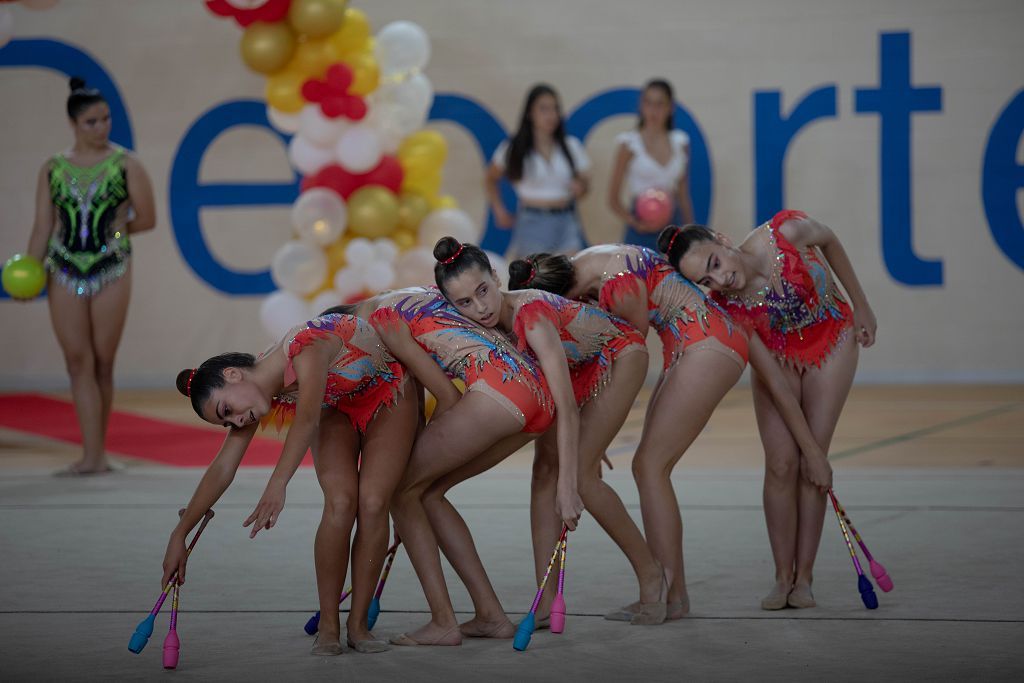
[(799, 314), (591, 338), (686, 320), (362, 379), (483, 359)]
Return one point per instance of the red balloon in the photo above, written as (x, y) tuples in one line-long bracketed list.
[(335, 178), (388, 173), (270, 11), (654, 207)]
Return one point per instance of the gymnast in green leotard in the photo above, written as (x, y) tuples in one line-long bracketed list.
[(89, 199)]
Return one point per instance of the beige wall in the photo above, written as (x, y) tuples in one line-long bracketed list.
[(173, 61)]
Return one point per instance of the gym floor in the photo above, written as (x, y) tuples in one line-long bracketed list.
[(932, 477)]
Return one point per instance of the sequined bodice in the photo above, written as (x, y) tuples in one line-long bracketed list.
[(584, 330), (451, 339), (90, 204)]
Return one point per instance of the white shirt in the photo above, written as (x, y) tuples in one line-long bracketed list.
[(543, 180), (644, 172)]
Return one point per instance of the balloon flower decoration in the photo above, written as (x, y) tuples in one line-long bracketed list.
[(370, 207), (7, 16)]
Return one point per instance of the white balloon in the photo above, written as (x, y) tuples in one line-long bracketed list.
[(348, 282), (378, 276), (6, 25), (401, 47), (385, 118), (385, 249), (499, 264), (319, 215), (322, 301), (298, 267), (442, 222), (359, 252), (307, 157), (415, 93), (283, 121), (281, 311), (358, 149), (415, 267), (319, 129)]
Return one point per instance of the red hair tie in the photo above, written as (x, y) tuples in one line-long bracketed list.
[(454, 256), (188, 385), (672, 241), (533, 273)]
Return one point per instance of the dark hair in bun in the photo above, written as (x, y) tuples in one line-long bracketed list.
[(454, 258), (81, 97), (197, 384), (674, 241), (551, 272)]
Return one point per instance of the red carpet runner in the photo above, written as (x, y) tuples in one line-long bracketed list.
[(168, 443)]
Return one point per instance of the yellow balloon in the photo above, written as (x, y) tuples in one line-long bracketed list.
[(404, 239), (354, 33), (419, 162), (426, 142), (267, 48), (336, 255), (313, 56), (427, 185), (316, 18), (445, 201), (284, 91), (365, 73), (372, 212), (412, 209)]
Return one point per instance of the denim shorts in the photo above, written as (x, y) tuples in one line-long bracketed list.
[(553, 232)]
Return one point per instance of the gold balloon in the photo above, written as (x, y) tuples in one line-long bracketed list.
[(313, 56), (354, 33), (428, 143), (267, 48), (372, 212), (365, 73), (445, 201), (336, 255), (284, 91), (316, 18), (404, 239), (427, 185), (412, 209)]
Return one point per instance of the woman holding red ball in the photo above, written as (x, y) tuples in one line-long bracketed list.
[(653, 162)]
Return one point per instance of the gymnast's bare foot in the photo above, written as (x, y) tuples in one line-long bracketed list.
[(776, 599), (479, 628), (801, 596)]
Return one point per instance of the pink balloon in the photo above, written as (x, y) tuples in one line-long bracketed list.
[(654, 207)]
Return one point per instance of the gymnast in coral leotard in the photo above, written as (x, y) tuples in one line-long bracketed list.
[(506, 404), (704, 353), (343, 395), (607, 364), (778, 285)]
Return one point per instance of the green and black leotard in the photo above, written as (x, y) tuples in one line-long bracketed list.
[(91, 248)]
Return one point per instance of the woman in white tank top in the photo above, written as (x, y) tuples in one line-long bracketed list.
[(654, 156)]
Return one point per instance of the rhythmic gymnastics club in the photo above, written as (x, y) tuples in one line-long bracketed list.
[(172, 645), (558, 606), (374, 611), (867, 592), (145, 628), (877, 570), (313, 625), (526, 627)]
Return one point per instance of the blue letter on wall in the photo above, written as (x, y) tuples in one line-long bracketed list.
[(1002, 178), (187, 197), (772, 135), (894, 100)]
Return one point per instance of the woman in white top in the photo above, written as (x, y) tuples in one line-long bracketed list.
[(548, 170), (654, 156)]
